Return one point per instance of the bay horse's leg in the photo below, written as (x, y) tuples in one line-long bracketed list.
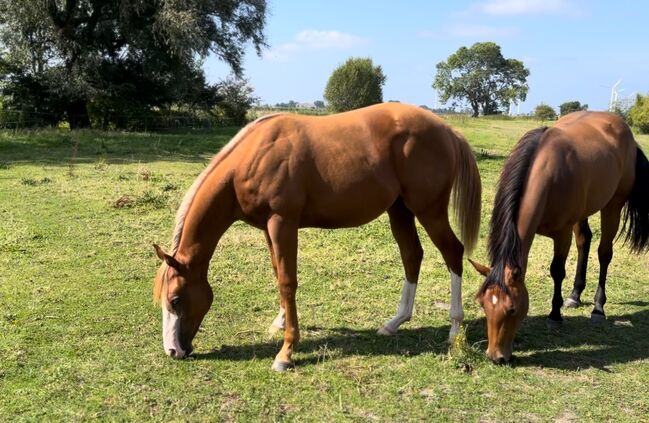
[(402, 223), (435, 221), (283, 236), (558, 272), (610, 221), (583, 236), (278, 323)]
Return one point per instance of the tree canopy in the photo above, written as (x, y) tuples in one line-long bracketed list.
[(356, 83), (571, 106), (639, 113), (545, 112), (61, 56), (481, 76)]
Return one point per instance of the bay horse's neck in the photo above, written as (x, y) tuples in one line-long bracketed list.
[(211, 212), (530, 214)]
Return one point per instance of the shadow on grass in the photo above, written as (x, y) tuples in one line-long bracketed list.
[(60, 148), (578, 344)]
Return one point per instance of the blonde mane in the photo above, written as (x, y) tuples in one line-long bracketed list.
[(160, 278)]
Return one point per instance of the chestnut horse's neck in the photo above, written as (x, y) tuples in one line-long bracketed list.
[(209, 207)]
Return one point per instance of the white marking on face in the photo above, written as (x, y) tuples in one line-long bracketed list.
[(494, 300), (170, 332)]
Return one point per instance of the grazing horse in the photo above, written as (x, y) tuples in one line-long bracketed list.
[(551, 183), (284, 172)]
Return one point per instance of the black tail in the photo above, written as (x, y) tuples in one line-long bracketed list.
[(636, 213)]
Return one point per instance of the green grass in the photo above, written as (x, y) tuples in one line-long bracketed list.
[(80, 338)]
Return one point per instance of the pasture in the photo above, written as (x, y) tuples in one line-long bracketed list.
[(80, 337)]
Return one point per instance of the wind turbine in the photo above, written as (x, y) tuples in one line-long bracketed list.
[(614, 94)]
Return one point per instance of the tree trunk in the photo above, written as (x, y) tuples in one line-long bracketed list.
[(78, 114)]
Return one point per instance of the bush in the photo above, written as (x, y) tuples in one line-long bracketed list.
[(639, 114), (236, 98), (357, 83), (544, 112), (571, 106)]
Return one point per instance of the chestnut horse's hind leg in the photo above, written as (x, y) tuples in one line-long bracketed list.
[(583, 236), (610, 222), (278, 323), (558, 272), (402, 223), (435, 221), (283, 236)]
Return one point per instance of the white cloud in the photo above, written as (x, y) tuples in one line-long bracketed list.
[(469, 31), (311, 39), (523, 7)]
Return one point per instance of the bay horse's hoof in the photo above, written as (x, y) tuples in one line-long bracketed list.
[(282, 366), (385, 331), (597, 317), (554, 324), (570, 303)]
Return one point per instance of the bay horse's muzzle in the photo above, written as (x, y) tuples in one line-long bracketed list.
[(179, 355)]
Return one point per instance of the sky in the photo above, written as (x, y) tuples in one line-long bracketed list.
[(574, 49)]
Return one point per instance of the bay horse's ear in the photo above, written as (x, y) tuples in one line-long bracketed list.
[(482, 269), (172, 262)]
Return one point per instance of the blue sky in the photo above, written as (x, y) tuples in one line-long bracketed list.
[(574, 49)]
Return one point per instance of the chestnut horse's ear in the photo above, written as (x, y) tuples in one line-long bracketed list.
[(482, 269), (172, 262)]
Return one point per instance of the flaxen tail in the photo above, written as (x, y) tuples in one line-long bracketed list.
[(636, 213), (467, 195)]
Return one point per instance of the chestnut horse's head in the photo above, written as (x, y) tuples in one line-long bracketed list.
[(505, 302), (185, 297)]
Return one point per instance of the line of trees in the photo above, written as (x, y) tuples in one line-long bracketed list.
[(94, 60)]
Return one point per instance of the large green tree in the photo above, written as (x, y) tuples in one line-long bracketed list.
[(354, 84), (60, 55), (482, 77)]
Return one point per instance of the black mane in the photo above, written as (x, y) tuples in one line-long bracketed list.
[(504, 243)]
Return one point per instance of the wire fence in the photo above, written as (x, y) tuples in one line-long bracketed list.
[(142, 122)]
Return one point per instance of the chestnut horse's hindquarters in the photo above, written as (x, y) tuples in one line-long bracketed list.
[(636, 213)]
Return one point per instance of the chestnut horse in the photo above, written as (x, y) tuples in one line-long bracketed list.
[(284, 172), (551, 183)]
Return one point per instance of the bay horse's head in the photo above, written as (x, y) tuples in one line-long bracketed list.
[(185, 297), (505, 302)]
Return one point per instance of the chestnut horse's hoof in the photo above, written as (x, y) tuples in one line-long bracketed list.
[(597, 317), (570, 303), (385, 331), (554, 324), (282, 366)]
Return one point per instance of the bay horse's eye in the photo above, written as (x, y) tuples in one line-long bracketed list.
[(174, 302), (510, 311)]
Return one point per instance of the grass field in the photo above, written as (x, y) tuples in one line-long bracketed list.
[(80, 338)]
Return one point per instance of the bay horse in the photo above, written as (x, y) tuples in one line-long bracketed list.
[(284, 172), (554, 179)]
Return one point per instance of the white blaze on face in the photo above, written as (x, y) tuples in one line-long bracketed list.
[(170, 333), (494, 300)]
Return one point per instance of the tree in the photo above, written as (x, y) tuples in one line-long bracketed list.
[(481, 76), (319, 104), (356, 83), (120, 55), (236, 97), (571, 106), (639, 113), (544, 112)]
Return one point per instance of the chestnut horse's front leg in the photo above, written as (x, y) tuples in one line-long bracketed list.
[(283, 235)]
